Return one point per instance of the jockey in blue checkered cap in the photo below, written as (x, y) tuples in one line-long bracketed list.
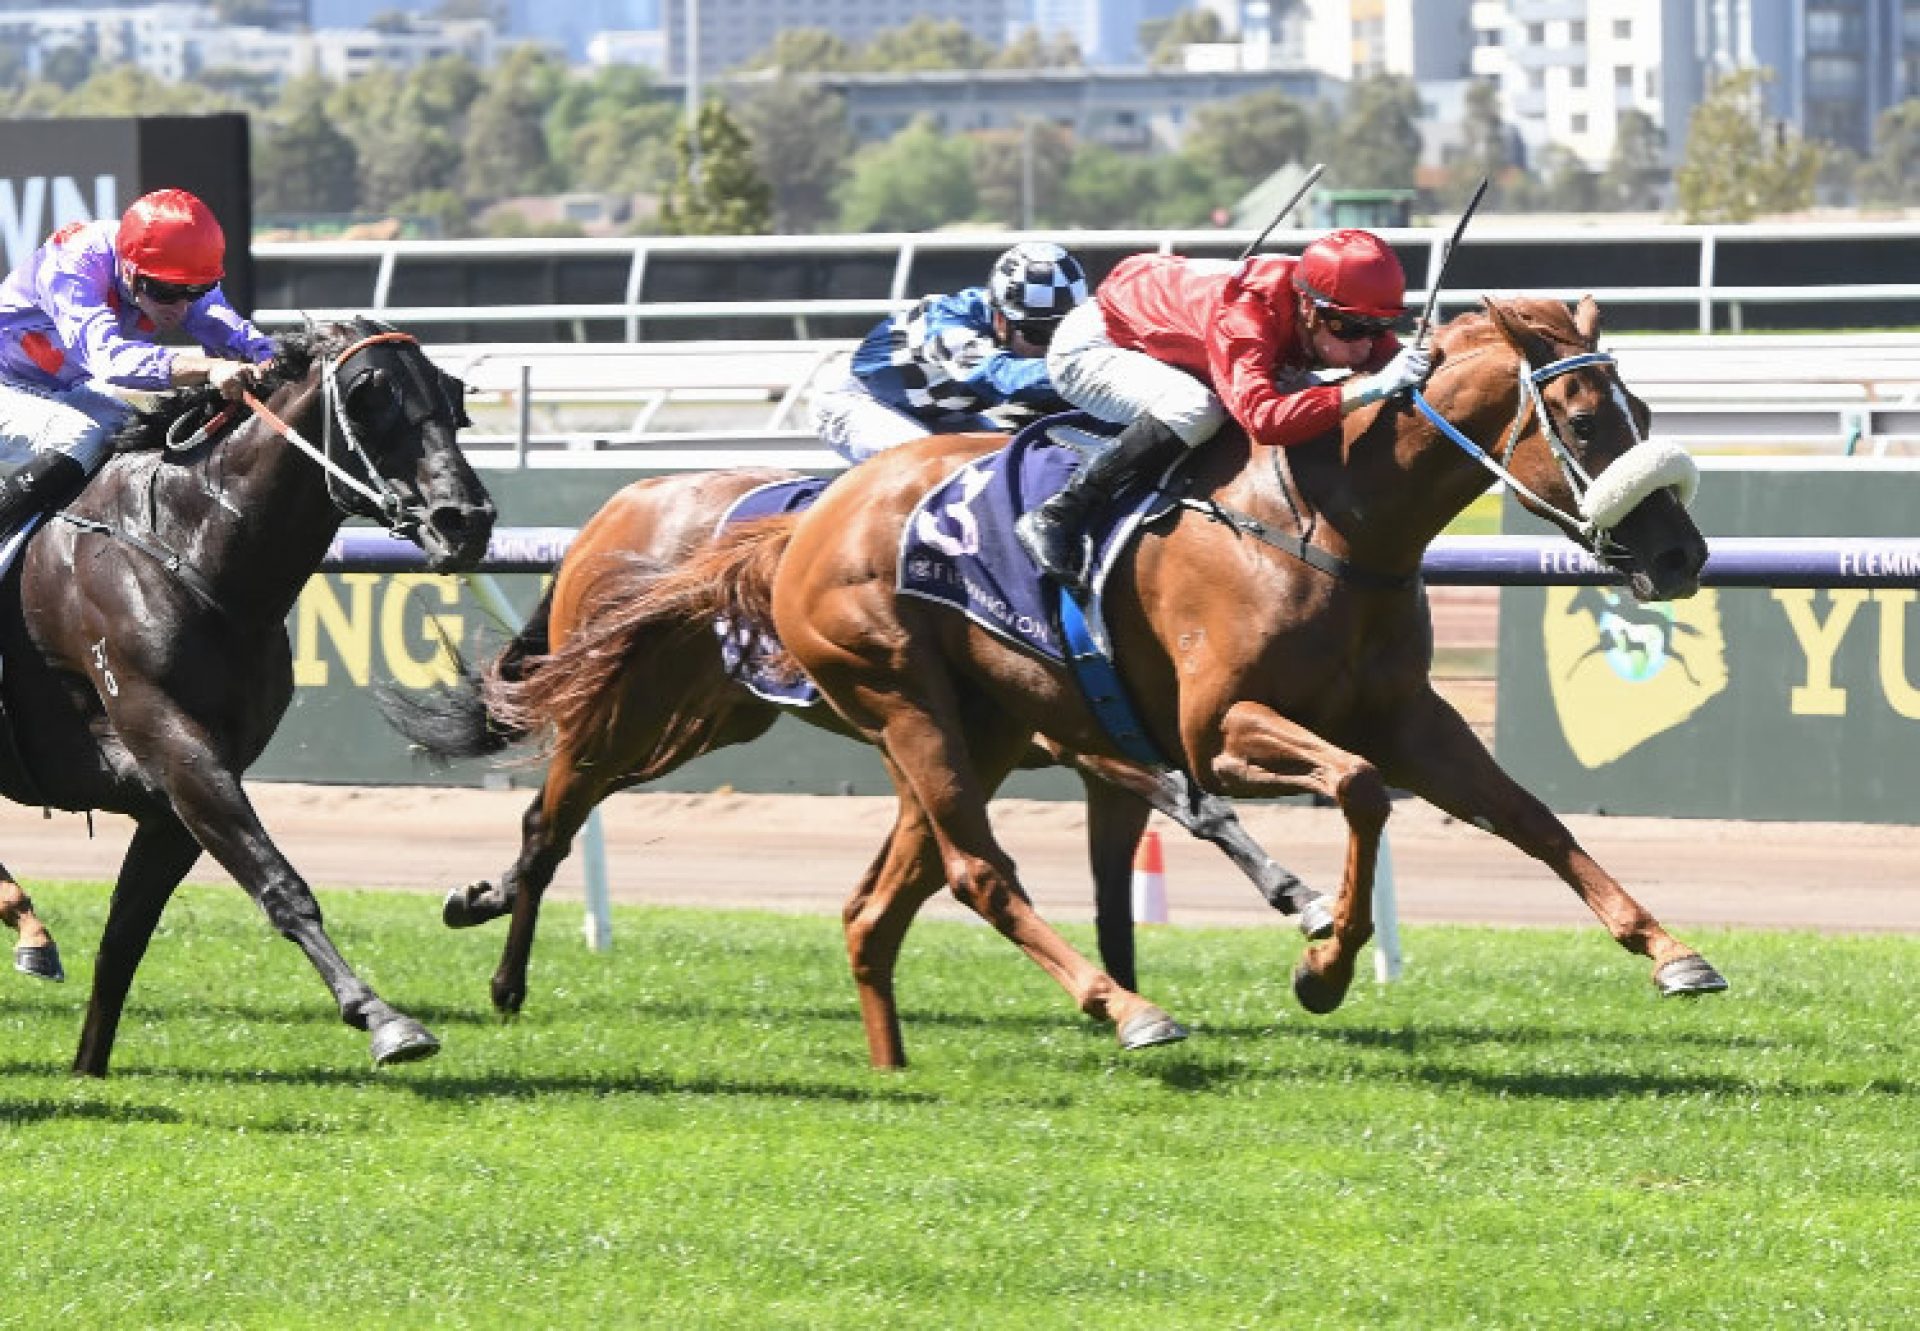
[(935, 368)]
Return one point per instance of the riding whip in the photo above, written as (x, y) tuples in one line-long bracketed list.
[(1299, 194), (1446, 257)]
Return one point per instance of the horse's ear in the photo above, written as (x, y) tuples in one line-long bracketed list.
[(1586, 317), (1535, 349)]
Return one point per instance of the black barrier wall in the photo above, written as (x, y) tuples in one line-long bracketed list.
[(53, 172)]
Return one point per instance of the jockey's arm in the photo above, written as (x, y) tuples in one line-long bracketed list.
[(231, 377)]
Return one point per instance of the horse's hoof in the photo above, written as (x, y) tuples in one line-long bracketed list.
[(1316, 918), (1316, 994), (42, 962), (1688, 975), (1151, 1027), (403, 1040), (461, 909)]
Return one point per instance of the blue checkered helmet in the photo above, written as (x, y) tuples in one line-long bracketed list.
[(1035, 284)]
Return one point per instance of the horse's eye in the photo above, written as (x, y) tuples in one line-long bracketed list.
[(1585, 424)]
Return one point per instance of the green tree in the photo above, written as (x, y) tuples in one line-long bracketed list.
[(916, 181), (1891, 174), (1737, 166), (1103, 188), (805, 51), (1637, 167), (1001, 171), (305, 164), (925, 44), (504, 152), (1484, 152), (801, 143), (725, 194), (1247, 139), (246, 13), (440, 92), (1165, 40), (128, 90), (1184, 194), (1032, 50), (1559, 182), (1377, 142), (443, 210), (68, 65), (614, 131)]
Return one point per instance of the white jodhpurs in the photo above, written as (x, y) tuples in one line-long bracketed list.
[(1118, 385), (856, 424), (77, 422)]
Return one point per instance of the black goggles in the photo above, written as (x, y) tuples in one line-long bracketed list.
[(1350, 327), (173, 293), (1037, 332)]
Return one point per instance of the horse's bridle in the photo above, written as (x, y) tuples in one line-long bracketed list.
[(1594, 517), (377, 497)]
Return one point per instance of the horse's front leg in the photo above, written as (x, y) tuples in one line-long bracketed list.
[(1429, 749), (1263, 753), (208, 797)]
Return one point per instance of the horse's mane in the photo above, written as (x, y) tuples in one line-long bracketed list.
[(1551, 319), (293, 356)]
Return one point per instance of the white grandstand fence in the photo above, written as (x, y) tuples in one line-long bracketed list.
[(1717, 305), (747, 401)]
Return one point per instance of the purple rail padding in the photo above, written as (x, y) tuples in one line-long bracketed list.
[(1513, 561), (1733, 561), (512, 550)]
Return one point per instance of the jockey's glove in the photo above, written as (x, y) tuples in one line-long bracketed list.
[(1407, 370)]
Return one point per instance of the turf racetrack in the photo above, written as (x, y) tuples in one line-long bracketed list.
[(684, 1133)]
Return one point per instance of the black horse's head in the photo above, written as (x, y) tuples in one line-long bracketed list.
[(403, 412), (1587, 457)]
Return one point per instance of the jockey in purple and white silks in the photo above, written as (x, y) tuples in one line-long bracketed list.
[(935, 368), (79, 319)]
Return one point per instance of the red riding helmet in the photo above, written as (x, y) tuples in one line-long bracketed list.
[(170, 236), (1353, 271)]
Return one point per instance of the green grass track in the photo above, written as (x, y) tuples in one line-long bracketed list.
[(684, 1133)]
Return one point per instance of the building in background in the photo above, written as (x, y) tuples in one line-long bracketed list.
[(1106, 31), (732, 32)]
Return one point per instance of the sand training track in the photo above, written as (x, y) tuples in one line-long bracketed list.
[(803, 853)]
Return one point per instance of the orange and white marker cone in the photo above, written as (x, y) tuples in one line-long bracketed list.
[(1149, 880)]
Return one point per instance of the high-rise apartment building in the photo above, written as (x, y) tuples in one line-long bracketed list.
[(1106, 31)]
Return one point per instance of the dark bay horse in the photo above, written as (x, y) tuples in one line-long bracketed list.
[(674, 699), (144, 637), (1263, 672)]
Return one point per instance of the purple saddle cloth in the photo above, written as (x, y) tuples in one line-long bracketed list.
[(959, 548), (746, 649)]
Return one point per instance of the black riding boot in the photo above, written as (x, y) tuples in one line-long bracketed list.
[(48, 480), (1053, 534)]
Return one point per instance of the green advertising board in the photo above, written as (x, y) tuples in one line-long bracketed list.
[(1737, 703), (352, 632)]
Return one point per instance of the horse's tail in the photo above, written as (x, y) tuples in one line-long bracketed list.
[(644, 612), (450, 721)]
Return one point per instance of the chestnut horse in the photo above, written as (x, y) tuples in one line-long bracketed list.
[(675, 699), (1272, 629), (145, 640)]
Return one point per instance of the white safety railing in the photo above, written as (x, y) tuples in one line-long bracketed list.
[(1717, 306), (695, 405)]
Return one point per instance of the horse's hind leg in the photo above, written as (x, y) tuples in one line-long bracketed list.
[(161, 852), (1435, 754), (923, 745), (904, 873), (1115, 820), (36, 953)]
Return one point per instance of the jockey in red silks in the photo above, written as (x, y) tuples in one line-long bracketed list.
[(1171, 346), (79, 318)]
